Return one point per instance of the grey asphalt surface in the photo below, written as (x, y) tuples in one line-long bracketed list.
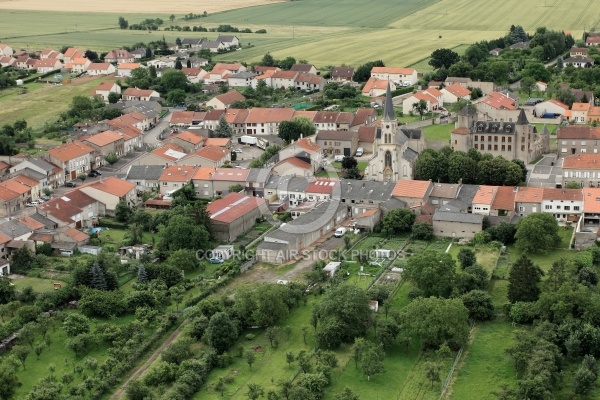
[(544, 174)]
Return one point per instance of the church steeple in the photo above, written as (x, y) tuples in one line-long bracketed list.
[(388, 111)]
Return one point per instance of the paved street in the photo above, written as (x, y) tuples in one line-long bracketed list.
[(151, 136), (545, 172)]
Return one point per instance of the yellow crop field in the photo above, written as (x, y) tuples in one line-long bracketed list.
[(132, 6)]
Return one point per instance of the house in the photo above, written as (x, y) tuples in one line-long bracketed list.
[(34, 185), (75, 209), (287, 242), (285, 191), (496, 101), (579, 113), (261, 69), (73, 158), (504, 201), (105, 143), (306, 150), (293, 166), (482, 202), (214, 46), (241, 79), (78, 65), (305, 68), (186, 118), (578, 51), (110, 191), (443, 193), (221, 69), (528, 200), (256, 181), (191, 43), (6, 50), (195, 62), (495, 52), (332, 120), (409, 104), (456, 225), (331, 268), (579, 62), (309, 82), (398, 76), (189, 141), (451, 94), (24, 62), (377, 87), (119, 56), (11, 201), (207, 156), (229, 41), (145, 177), (125, 69), (52, 175), (564, 204), (164, 155), (95, 69), (541, 86), (235, 214), (592, 41), (342, 74), (593, 114), (174, 178), (283, 79), (140, 94), (363, 116), (72, 53), (6, 61), (266, 77), (366, 137), (265, 121), (321, 189), (550, 107), (104, 89), (202, 181), (224, 178), (218, 142), (140, 53), (47, 65), (412, 192), (225, 100), (574, 139), (162, 62), (338, 142), (194, 75), (582, 168), (134, 119), (49, 53)]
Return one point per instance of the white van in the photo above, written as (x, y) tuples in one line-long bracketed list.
[(359, 151), (339, 157), (339, 232)]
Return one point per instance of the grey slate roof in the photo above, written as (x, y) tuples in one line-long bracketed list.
[(388, 110), (392, 204), (38, 162), (409, 154), (288, 183), (14, 228), (308, 222), (31, 173), (414, 134), (522, 120), (244, 75), (466, 194), (444, 216), (147, 172), (496, 126), (367, 191), (226, 38), (259, 175), (48, 223)]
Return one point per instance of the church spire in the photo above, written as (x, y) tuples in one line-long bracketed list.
[(522, 120), (388, 111)]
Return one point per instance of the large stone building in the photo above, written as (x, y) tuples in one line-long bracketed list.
[(498, 135), (395, 150)]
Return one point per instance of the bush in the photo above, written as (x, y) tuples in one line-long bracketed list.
[(479, 304), (100, 303), (523, 312)]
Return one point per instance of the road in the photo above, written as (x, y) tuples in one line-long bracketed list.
[(151, 136)]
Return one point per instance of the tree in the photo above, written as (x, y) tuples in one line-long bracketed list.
[(76, 324), (289, 358), (432, 371), (298, 127), (123, 24), (142, 275), (363, 72), (287, 63), (433, 273), (137, 390), (27, 334), (221, 332), (113, 97), (346, 394), (173, 79), (422, 231), (398, 221), (436, 322), (272, 333), (584, 381), (255, 391), (538, 232), (250, 358), (8, 291), (342, 315), (111, 158), (466, 257), (123, 211), (21, 352), (443, 58), (371, 361), (523, 280), (528, 85), (479, 303), (267, 60), (183, 232), (172, 17), (223, 129), (21, 260), (420, 107), (176, 97), (82, 177), (183, 259), (387, 331), (39, 349), (9, 382), (349, 162)]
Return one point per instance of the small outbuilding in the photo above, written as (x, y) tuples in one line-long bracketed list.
[(331, 268)]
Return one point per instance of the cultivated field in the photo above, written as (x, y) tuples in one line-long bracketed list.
[(131, 6), (399, 32)]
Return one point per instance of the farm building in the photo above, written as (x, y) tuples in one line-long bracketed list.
[(234, 215)]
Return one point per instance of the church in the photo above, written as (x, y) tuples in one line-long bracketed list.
[(395, 150)]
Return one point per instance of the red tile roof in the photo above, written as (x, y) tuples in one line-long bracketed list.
[(103, 139), (529, 195), (231, 174), (186, 117), (563, 194), (77, 198), (374, 83), (499, 101), (112, 185), (582, 161), (30, 222), (135, 92), (129, 65), (392, 70), (411, 188), (15, 186), (76, 234), (578, 132), (591, 200), (177, 174), (98, 66), (367, 134), (70, 151), (457, 90), (4, 239), (296, 162), (309, 145), (505, 199), (212, 153), (485, 195), (230, 97), (233, 206), (323, 186), (580, 107), (190, 137), (204, 173), (265, 115), (218, 142), (558, 103), (170, 151)]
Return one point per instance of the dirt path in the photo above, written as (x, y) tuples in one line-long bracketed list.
[(120, 393)]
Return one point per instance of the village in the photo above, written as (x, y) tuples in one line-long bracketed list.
[(302, 192)]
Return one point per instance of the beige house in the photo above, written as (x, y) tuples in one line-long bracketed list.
[(306, 150), (194, 75), (119, 56), (579, 113), (208, 156), (283, 79), (110, 191), (189, 141), (582, 168), (11, 201), (234, 214), (376, 87), (203, 184), (126, 68), (223, 101), (456, 225), (293, 167), (6, 50), (573, 139), (174, 178), (47, 65), (338, 142), (451, 94), (528, 200), (398, 76), (95, 69), (104, 144), (106, 88), (73, 158), (413, 193), (164, 155), (309, 82), (78, 65), (140, 94)]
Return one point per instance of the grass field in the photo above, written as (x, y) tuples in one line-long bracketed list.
[(438, 132), (319, 31), (38, 284)]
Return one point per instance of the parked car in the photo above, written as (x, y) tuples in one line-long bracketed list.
[(237, 150), (339, 232), (70, 184), (215, 260), (93, 174), (32, 204)]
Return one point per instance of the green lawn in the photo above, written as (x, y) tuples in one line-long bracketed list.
[(440, 132), (485, 365), (38, 284)]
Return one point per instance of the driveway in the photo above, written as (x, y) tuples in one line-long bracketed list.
[(545, 172), (151, 135)]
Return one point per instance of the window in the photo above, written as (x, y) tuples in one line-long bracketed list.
[(575, 208), (567, 208), (563, 142), (557, 207), (503, 147), (489, 147), (521, 208), (475, 146), (495, 147), (548, 207), (509, 139), (523, 148), (476, 138), (165, 183), (489, 138), (509, 147), (503, 139), (522, 139)]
